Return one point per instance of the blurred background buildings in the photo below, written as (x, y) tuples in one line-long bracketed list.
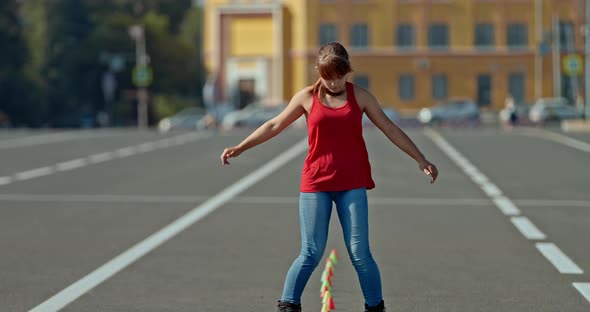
[(410, 53), (86, 63)]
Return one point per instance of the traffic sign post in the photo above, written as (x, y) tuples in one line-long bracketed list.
[(142, 76)]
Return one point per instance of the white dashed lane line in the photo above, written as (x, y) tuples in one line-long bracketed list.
[(526, 227), (102, 157)]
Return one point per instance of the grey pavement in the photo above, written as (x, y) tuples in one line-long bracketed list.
[(440, 247)]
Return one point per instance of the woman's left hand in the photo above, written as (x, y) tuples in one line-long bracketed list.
[(429, 169)]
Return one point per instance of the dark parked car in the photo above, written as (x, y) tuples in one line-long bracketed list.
[(451, 111)]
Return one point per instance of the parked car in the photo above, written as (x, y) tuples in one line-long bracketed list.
[(251, 116), (187, 119), (553, 109), (450, 111), (391, 113)]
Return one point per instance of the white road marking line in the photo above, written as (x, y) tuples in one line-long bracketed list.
[(584, 289), (34, 173), (472, 172), (37, 140), (88, 282), (145, 147), (92, 159), (70, 165), (102, 157), (559, 138), (561, 261), (554, 202), (506, 206), (56, 137), (491, 190), (5, 180), (125, 151), (239, 199), (527, 228), (162, 144), (102, 198)]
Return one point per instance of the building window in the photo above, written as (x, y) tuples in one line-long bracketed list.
[(438, 36), (328, 33), (405, 36), (362, 81), (516, 36), (439, 87), (484, 36), (484, 89), (406, 87), (567, 36), (516, 85), (359, 36)]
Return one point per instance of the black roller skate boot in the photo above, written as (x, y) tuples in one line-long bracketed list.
[(378, 308), (288, 307)]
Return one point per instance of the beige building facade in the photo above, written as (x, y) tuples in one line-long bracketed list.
[(409, 53)]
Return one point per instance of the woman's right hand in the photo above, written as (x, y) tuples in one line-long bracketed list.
[(228, 153)]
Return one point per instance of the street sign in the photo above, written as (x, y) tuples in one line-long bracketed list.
[(142, 75), (572, 65), (543, 48)]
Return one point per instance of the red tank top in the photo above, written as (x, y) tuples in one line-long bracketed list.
[(337, 158)]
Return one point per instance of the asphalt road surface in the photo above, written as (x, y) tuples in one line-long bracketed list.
[(123, 220)]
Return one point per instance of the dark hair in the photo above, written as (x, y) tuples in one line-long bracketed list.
[(332, 62)]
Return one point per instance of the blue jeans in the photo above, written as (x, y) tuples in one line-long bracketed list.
[(314, 213)]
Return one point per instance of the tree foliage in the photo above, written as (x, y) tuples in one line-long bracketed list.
[(62, 48)]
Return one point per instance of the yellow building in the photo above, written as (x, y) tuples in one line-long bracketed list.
[(409, 53)]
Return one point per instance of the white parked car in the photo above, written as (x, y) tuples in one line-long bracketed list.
[(187, 119), (553, 109), (251, 116)]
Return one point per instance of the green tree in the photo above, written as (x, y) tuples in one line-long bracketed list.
[(72, 70), (18, 94)]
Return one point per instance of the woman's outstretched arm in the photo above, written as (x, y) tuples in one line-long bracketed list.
[(269, 129), (396, 135)]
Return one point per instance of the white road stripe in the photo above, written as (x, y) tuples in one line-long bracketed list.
[(527, 228), (5, 180), (125, 151), (146, 147), (35, 173), (524, 225), (556, 137), (491, 189), (56, 137), (102, 198), (241, 199), (506, 206), (102, 157), (562, 263), (584, 289), (94, 159), (88, 282), (554, 202), (70, 165), (37, 140)]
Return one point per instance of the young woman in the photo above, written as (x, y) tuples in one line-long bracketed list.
[(336, 170)]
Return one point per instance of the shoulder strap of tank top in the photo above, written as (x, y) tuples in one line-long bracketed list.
[(350, 97)]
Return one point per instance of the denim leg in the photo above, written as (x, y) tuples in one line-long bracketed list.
[(352, 208), (314, 218)]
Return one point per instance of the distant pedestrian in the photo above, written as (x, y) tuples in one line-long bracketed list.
[(336, 170), (511, 117)]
